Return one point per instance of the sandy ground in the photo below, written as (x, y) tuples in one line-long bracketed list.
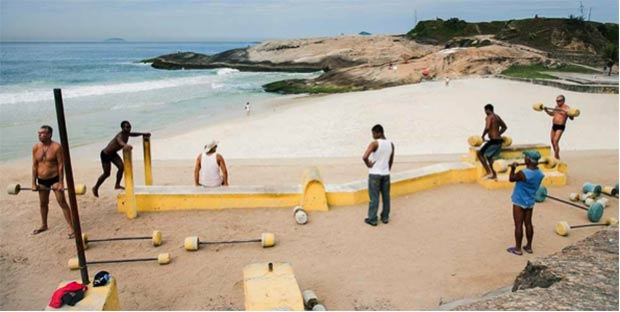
[(442, 244)]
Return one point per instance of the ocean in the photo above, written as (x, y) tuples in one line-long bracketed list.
[(104, 83)]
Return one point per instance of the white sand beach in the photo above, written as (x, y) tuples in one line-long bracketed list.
[(441, 245)]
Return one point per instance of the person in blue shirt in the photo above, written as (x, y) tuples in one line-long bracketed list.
[(527, 183)]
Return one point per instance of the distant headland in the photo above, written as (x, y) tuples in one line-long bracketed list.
[(115, 40)]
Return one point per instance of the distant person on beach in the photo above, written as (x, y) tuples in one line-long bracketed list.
[(390, 67), (210, 170), (527, 183), (48, 175), (494, 127), (379, 157), (447, 81), (247, 109), (560, 115), (109, 155)]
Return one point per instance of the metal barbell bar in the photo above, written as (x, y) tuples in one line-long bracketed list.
[(572, 112), (595, 212), (156, 239), (14, 189), (193, 242), (162, 259), (562, 228)]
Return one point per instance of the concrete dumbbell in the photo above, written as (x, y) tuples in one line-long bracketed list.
[(595, 212), (501, 165), (592, 188), (193, 242), (572, 112), (310, 299), (562, 228), (162, 259), (156, 239), (301, 217), (476, 140), (610, 191), (14, 189)]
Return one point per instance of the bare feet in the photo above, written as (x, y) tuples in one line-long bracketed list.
[(96, 192), (39, 230), (71, 235), (118, 187), (491, 177)]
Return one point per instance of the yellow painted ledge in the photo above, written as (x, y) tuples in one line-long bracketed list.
[(103, 298)]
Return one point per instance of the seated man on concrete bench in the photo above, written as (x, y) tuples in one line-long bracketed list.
[(210, 170)]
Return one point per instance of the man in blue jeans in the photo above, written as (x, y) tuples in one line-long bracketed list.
[(527, 183), (379, 157)]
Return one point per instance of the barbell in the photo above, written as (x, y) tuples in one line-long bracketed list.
[(501, 165), (14, 189), (156, 239), (595, 212), (267, 240), (301, 217), (562, 228), (163, 258), (476, 140), (610, 190), (572, 112), (581, 197)]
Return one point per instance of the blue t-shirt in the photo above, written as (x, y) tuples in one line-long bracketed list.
[(524, 192)]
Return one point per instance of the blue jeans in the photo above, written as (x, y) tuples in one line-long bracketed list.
[(378, 184)]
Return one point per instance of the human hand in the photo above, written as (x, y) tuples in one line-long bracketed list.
[(147, 135), (127, 147), (34, 187), (514, 165)]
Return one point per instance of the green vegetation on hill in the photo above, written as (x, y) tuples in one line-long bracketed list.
[(537, 71), (565, 38)]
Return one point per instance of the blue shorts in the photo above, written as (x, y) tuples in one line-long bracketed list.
[(492, 148)]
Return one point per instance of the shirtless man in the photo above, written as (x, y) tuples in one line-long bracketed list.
[(494, 127), (47, 175), (109, 155), (559, 114)]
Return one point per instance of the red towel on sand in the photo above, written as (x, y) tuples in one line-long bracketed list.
[(56, 301)]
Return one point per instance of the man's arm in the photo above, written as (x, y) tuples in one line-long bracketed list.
[(519, 176), (222, 164), (60, 162), (371, 148), (549, 111), (197, 171), (502, 126), (392, 156), (35, 166), (120, 141), (487, 126)]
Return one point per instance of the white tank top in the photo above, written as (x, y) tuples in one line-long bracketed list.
[(381, 157), (209, 174)]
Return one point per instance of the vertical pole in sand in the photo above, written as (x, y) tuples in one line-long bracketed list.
[(130, 197), (75, 217), (148, 172)]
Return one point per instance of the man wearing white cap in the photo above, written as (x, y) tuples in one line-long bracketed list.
[(210, 168)]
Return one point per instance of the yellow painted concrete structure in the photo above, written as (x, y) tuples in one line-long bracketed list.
[(103, 298), (148, 169), (271, 286), (313, 195)]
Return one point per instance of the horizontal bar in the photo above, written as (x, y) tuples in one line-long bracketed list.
[(587, 225), (116, 239), (118, 261), (231, 242), (568, 203)]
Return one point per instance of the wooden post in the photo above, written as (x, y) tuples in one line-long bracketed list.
[(148, 172), (130, 197), (75, 217)]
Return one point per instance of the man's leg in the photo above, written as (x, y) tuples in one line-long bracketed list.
[(493, 173), (106, 173), (44, 197), (62, 202), (529, 229), (373, 192), (118, 162), (385, 195), (555, 140), (483, 161), (517, 215)]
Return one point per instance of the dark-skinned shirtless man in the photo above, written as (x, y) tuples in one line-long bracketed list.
[(494, 127), (109, 155), (560, 115), (48, 175)]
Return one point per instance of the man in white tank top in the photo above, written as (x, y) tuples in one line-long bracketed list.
[(210, 168), (379, 157)]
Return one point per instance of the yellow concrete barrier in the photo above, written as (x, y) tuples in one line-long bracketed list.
[(131, 209), (148, 171), (271, 286), (103, 298), (313, 197)]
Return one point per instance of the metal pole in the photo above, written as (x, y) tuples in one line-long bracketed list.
[(75, 217)]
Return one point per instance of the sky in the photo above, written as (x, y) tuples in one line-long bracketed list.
[(202, 20)]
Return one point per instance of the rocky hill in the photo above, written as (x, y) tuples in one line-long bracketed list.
[(434, 49)]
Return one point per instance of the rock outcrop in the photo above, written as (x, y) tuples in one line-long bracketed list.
[(583, 276)]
